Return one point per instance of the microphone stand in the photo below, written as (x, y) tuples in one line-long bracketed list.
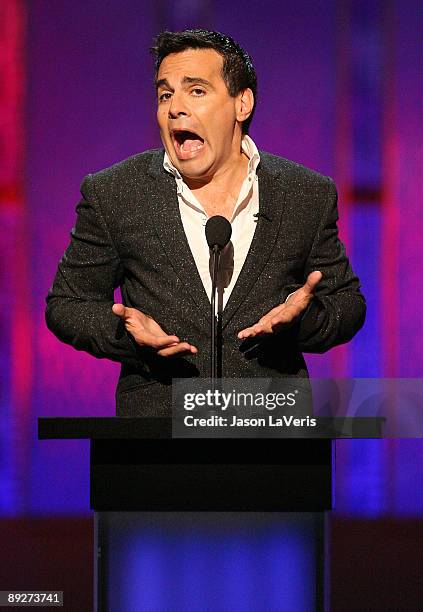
[(218, 233), (215, 251)]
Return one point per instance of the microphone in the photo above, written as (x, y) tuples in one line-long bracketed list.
[(218, 232)]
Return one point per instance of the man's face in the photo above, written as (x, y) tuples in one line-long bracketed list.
[(196, 115)]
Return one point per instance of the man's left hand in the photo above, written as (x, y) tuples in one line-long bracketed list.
[(286, 313)]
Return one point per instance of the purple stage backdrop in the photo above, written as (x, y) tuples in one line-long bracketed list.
[(340, 91)]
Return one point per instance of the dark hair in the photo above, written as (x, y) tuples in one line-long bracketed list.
[(237, 71)]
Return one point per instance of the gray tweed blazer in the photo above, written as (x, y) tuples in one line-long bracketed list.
[(129, 234)]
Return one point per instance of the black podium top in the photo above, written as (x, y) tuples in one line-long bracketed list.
[(148, 428), (136, 465), (102, 428)]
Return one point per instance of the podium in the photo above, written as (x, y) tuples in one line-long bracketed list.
[(139, 473)]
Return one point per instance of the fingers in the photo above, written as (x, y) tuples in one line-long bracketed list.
[(181, 348), (264, 326), (147, 332), (303, 295), (261, 329), (119, 310), (313, 279), (146, 338), (286, 313)]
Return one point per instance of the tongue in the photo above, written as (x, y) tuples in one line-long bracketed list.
[(191, 145)]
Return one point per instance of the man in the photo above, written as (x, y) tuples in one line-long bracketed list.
[(286, 284)]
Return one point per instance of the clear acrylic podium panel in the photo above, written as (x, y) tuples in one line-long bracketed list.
[(210, 561)]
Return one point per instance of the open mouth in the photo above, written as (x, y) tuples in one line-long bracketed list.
[(187, 144)]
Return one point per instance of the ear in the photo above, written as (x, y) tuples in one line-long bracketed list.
[(245, 103)]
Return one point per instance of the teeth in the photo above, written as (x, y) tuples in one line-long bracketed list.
[(197, 148)]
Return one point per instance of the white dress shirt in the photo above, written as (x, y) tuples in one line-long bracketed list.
[(243, 223)]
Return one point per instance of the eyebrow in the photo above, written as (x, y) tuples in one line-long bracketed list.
[(186, 80)]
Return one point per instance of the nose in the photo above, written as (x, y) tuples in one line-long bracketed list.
[(177, 107)]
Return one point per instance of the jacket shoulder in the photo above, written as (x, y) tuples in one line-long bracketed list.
[(127, 171), (293, 171)]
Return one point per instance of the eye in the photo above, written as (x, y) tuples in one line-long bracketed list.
[(164, 96), (197, 91)]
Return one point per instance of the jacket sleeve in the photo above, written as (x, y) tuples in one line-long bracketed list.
[(338, 308), (79, 304)]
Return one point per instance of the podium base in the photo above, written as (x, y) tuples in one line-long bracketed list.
[(202, 561)]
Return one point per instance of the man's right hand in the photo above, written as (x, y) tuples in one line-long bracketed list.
[(146, 332)]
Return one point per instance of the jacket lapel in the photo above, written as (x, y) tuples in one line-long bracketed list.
[(164, 201), (171, 232), (271, 204)]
